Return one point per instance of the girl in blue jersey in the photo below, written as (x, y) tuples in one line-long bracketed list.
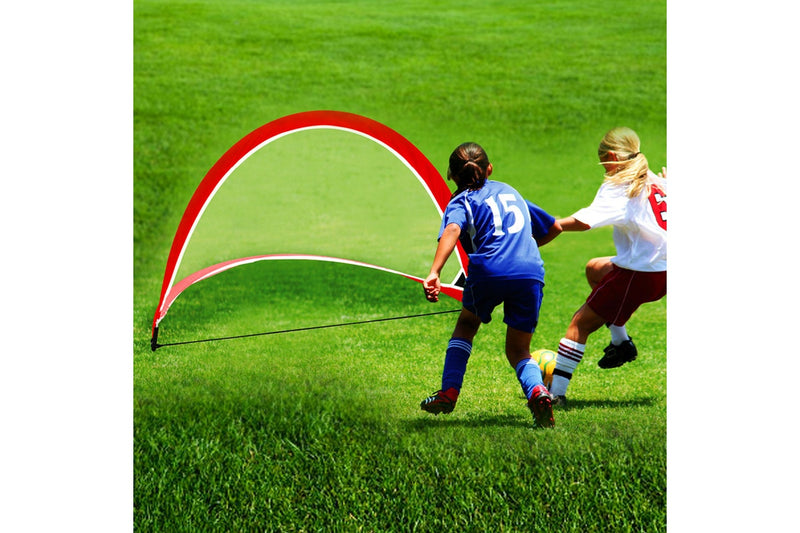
[(501, 232)]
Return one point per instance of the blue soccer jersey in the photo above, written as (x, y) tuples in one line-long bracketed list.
[(498, 227)]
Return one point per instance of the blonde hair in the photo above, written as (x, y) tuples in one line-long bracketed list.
[(631, 166)]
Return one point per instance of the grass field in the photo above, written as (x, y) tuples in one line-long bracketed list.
[(321, 430)]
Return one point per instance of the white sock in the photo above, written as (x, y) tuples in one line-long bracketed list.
[(559, 386), (570, 354), (618, 334)]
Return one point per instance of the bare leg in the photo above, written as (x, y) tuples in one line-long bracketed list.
[(596, 269), (518, 346), (584, 322), (467, 325)]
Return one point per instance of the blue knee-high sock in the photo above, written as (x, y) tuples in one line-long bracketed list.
[(455, 363), (529, 375)]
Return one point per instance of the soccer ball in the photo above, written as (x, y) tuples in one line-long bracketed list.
[(546, 359)]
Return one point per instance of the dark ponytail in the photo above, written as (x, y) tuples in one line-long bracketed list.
[(468, 167)]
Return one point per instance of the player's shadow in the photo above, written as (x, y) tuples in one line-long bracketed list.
[(478, 421), (522, 419), (609, 403)]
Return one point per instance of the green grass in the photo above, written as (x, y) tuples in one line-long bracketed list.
[(321, 430)]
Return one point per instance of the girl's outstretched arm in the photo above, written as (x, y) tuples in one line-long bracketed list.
[(554, 231), (572, 224), (447, 244)]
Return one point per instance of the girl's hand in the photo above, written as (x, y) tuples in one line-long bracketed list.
[(663, 173), (433, 287)]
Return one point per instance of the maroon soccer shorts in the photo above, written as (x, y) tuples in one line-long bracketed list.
[(622, 291)]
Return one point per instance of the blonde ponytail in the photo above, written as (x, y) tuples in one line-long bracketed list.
[(631, 166)]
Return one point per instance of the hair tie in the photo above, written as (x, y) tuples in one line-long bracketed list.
[(633, 156)]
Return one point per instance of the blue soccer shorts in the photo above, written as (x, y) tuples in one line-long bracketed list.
[(521, 299)]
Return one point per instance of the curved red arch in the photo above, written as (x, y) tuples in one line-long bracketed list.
[(404, 150)]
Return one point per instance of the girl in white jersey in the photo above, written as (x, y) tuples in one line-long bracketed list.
[(633, 200)]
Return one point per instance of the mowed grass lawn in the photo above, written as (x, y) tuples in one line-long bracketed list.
[(321, 430)]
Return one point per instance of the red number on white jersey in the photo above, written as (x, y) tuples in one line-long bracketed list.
[(658, 201)]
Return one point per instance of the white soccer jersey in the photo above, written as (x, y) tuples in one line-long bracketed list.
[(640, 223)]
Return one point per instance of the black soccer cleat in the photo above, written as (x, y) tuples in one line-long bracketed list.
[(440, 401), (616, 356), (559, 402)]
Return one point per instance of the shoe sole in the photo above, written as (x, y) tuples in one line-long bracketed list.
[(436, 410), (613, 364)]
